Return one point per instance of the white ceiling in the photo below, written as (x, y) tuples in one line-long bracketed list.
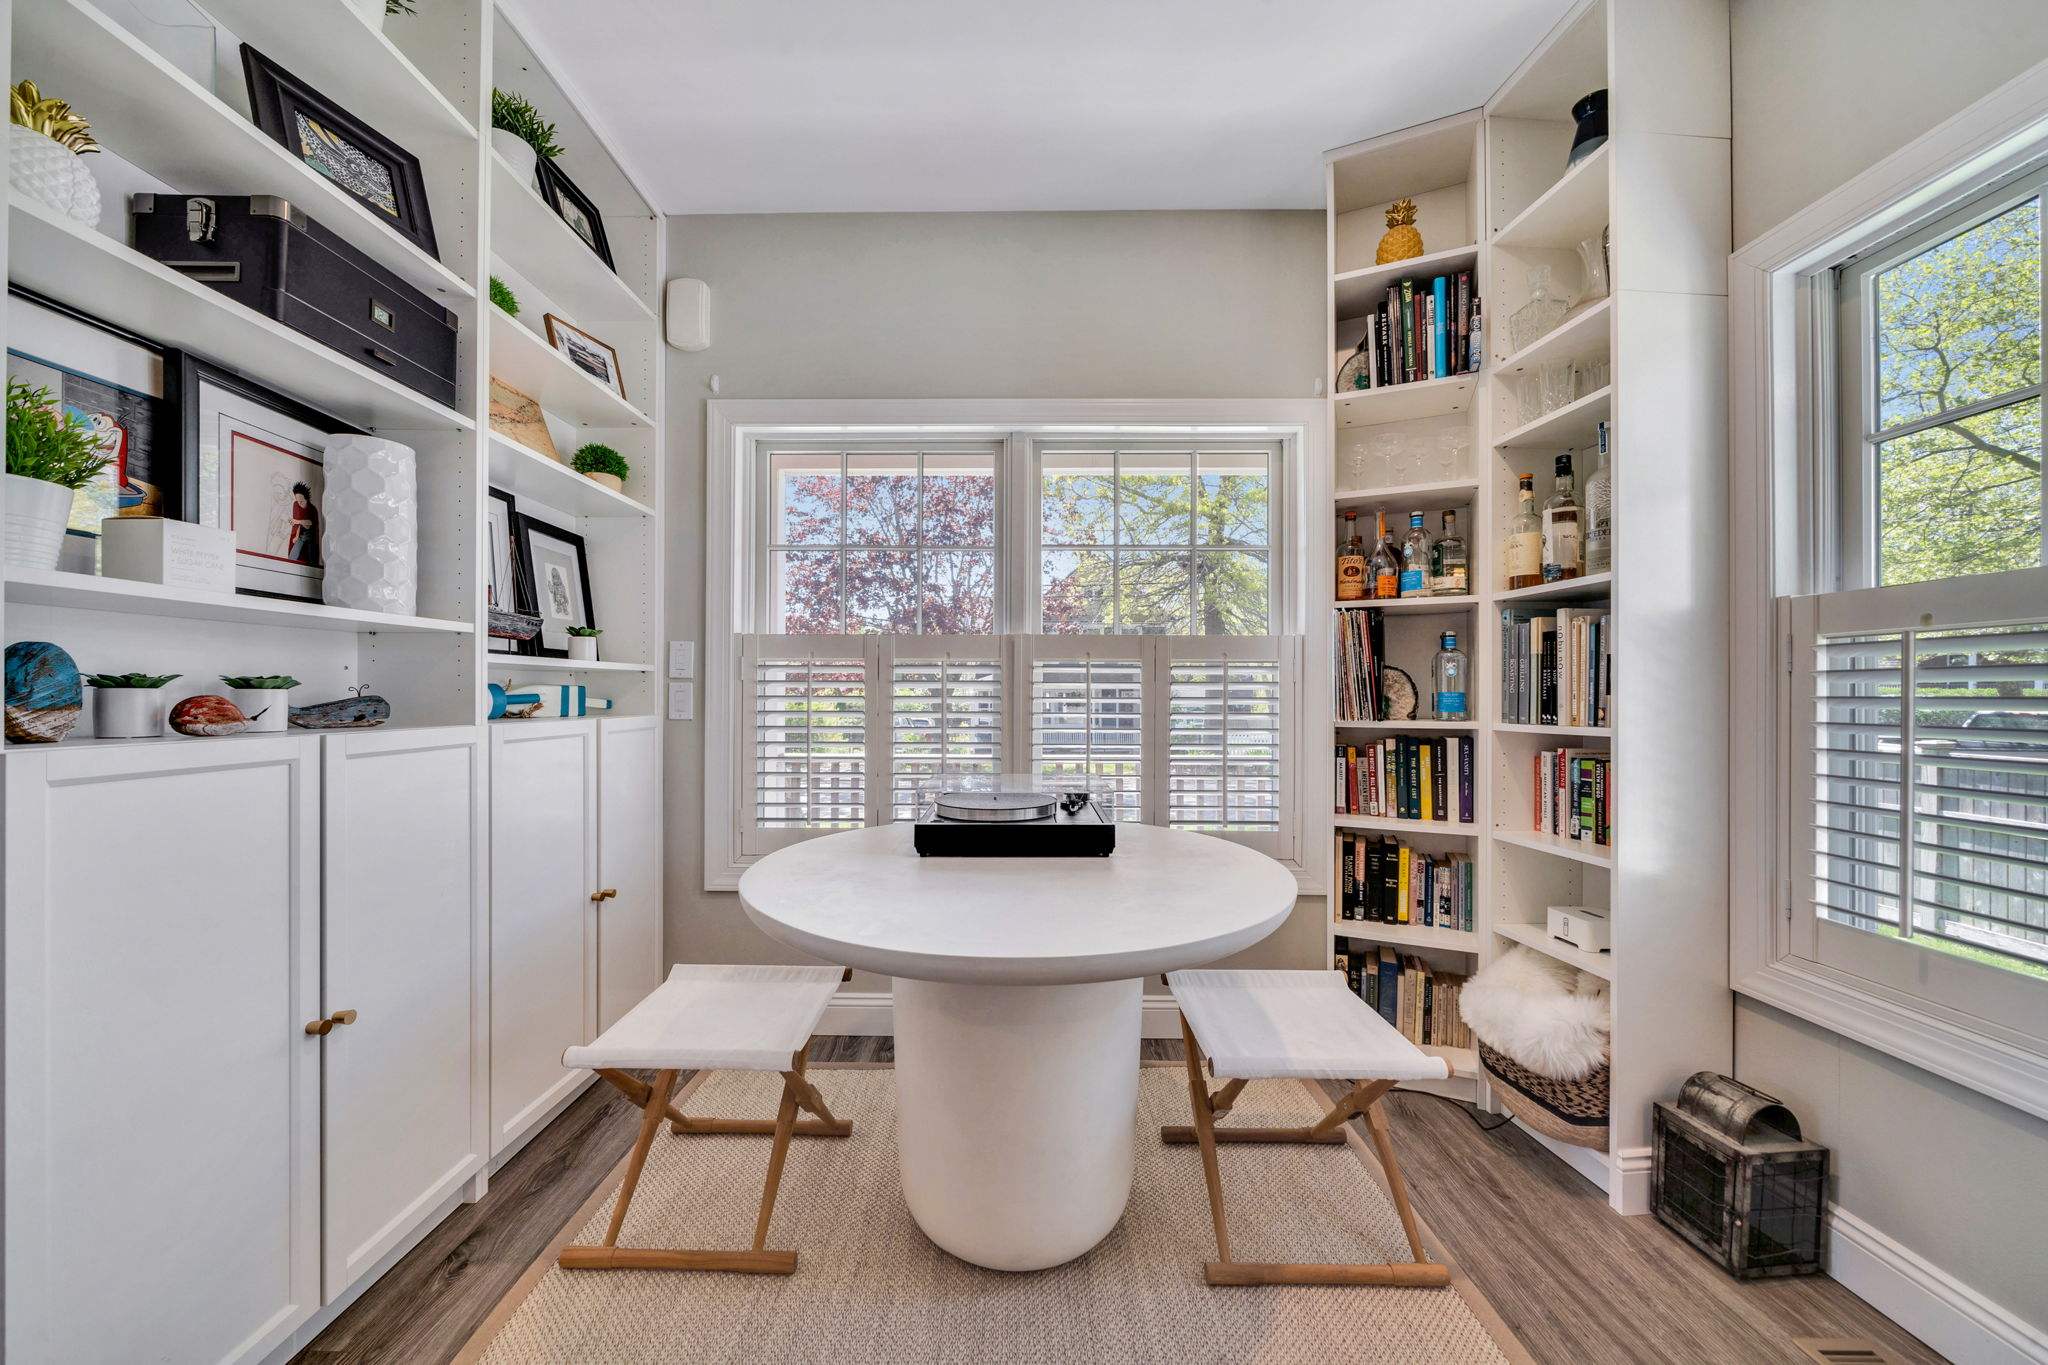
[(801, 106)]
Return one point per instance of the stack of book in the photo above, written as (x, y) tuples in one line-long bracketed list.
[(1410, 994), (1423, 329), (1361, 644), (1557, 666), (1574, 796), (1406, 777), (1384, 881)]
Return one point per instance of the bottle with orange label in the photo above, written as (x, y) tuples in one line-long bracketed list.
[(1351, 584), (1386, 563)]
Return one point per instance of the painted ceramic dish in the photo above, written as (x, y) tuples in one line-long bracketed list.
[(44, 695)]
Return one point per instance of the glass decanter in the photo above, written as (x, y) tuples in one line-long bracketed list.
[(1544, 310)]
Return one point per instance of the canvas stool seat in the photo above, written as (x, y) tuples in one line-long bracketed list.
[(712, 1018), (1261, 1025)]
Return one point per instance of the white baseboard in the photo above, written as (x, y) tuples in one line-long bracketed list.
[(866, 1014), (1925, 1300), (1629, 1188)]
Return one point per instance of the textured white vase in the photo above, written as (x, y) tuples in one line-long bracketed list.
[(268, 708), (51, 173), (371, 539), (514, 149), (37, 513), (127, 712)]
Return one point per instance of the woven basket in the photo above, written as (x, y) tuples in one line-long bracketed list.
[(1568, 1111)]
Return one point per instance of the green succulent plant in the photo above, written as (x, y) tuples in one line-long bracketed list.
[(266, 682), (585, 630), (516, 115), (599, 459), (44, 442), (146, 681), (504, 298)]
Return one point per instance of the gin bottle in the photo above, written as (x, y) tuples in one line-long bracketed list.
[(1415, 551), (1448, 573), (1447, 679), (1600, 513)]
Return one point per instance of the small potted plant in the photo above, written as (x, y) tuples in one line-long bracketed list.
[(583, 643), (51, 454), (504, 298), (263, 698), (128, 705), (520, 134), (46, 154), (603, 465)]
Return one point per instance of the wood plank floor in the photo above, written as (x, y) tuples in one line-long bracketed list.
[(1574, 1281)]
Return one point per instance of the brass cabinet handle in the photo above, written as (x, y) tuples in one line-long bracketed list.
[(608, 893), (320, 1028)]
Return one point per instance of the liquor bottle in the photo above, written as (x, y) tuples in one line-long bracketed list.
[(1386, 563), (1600, 513), (1449, 577), (1561, 526), (1447, 679), (1351, 563), (1415, 559), (1522, 556)]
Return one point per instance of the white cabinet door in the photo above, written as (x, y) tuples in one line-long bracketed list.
[(543, 922), (162, 1129), (405, 1119), (629, 961)]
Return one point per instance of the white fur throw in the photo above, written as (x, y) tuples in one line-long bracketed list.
[(1542, 1013)]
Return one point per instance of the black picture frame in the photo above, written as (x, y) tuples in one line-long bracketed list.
[(280, 100), (528, 528), (572, 204), (521, 598)]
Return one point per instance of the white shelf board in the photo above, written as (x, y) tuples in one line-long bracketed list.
[(1406, 402), (1398, 727), (526, 473), (1387, 824), (73, 264), (1580, 337), (526, 663), (147, 111), (1569, 428), (1558, 731), (1447, 495), (1594, 855), (1583, 588), (1566, 67), (75, 742), (89, 592), (1420, 606), (524, 360), (1535, 936), (532, 238), (1567, 213), (1360, 291), (1407, 935)]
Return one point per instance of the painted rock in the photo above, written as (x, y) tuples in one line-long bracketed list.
[(208, 716), (44, 695), (365, 712)]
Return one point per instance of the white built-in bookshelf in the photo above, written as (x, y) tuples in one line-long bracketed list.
[(1494, 197)]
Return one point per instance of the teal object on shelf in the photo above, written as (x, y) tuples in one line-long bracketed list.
[(44, 694)]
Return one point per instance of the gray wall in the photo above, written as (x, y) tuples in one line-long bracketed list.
[(1823, 89), (1024, 305)]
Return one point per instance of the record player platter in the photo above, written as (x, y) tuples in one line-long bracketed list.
[(1010, 817)]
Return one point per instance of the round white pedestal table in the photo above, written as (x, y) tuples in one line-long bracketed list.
[(1017, 996)]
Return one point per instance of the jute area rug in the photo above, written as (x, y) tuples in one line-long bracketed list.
[(869, 1287)]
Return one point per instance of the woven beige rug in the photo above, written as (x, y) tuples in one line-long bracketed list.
[(869, 1287)]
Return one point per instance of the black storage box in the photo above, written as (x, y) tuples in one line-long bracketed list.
[(261, 251)]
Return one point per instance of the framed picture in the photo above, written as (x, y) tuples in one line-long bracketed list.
[(254, 462), (115, 381), (507, 584), (595, 358), (561, 583), (576, 209), (516, 416), (380, 174)]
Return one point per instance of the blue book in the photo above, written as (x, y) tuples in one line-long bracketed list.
[(1390, 987), (1443, 314)]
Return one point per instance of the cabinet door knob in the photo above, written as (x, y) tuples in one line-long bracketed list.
[(608, 893), (320, 1028)]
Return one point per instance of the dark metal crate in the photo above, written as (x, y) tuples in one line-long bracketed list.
[(1731, 1175)]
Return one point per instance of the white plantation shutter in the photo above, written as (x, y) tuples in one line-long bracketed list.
[(809, 766), (1225, 738), (1088, 726), (946, 716)]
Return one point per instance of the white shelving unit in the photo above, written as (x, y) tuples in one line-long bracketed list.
[(1494, 195)]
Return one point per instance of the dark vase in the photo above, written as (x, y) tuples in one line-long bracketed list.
[(1590, 114)]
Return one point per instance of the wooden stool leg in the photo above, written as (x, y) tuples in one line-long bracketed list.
[(785, 1120), (650, 1119), (1205, 1134), (1383, 1142)]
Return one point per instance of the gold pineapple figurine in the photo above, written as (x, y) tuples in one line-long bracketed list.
[(52, 118), (1402, 240)]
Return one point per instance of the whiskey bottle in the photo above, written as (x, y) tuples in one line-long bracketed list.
[(1561, 526), (1386, 563), (1522, 553), (1351, 563)]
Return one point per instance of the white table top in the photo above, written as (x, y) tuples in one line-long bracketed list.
[(1165, 899)]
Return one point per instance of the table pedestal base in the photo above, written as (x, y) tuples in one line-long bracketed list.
[(1015, 1112)]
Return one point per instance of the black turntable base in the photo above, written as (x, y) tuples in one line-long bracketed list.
[(1015, 824)]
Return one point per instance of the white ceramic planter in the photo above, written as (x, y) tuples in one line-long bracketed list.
[(275, 704), (127, 712), (519, 152), (37, 513), (50, 173), (583, 647), (371, 540)]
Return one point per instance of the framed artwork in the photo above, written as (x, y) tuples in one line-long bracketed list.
[(561, 583), (115, 381), (507, 584), (595, 358), (377, 172), (516, 416), (576, 209), (254, 462)]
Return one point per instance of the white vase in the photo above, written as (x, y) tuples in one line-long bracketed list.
[(516, 150), (50, 173), (127, 712), (268, 708), (583, 647), (37, 513), (371, 538)]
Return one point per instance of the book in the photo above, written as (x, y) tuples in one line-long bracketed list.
[(1440, 332)]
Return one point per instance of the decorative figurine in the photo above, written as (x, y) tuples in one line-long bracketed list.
[(363, 710), (1402, 239), (208, 716), (44, 695)]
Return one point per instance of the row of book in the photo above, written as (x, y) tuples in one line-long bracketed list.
[(1557, 666), (1361, 645), (1413, 996), (1384, 881), (1574, 796), (1406, 777), (1423, 329)]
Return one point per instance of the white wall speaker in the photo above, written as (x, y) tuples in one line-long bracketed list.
[(688, 308)]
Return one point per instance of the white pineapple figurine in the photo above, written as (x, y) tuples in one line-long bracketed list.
[(45, 154)]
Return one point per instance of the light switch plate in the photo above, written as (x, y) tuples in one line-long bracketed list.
[(682, 701), (682, 658)]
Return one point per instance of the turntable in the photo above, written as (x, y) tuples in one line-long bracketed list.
[(1013, 816)]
